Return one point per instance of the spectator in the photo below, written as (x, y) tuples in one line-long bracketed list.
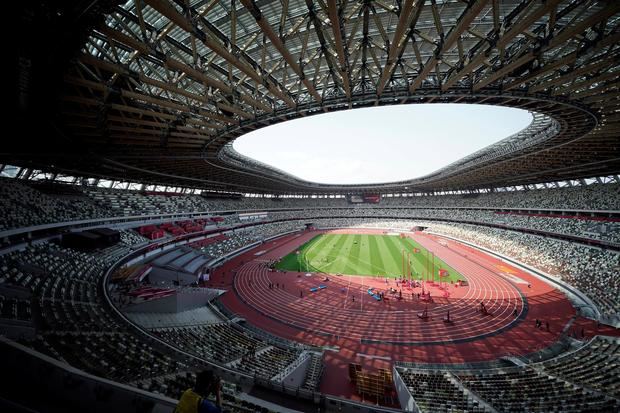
[(195, 400)]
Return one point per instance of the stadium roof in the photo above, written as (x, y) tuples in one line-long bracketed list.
[(157, 90)]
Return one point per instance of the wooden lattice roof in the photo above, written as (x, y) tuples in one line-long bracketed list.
[(158, 89)]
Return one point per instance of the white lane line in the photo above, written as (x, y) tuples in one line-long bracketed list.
[(347, 296)]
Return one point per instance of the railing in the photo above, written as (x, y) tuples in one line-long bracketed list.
[(230, 374), (139, 220), (234, 375), (405, 398), (303, 356), (583, 300)]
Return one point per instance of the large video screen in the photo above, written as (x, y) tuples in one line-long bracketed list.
[(372, 199), (365, 199)]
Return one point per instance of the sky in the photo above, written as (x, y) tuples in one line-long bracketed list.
[(380, 144)]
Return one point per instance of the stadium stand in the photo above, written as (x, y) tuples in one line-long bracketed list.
[(590, 269), (437, 392), (74, 326), (125, 116), (593, 366), (525, 389), (70, 315), (267, 362), (218, 342), (23, 206), (585, 198)]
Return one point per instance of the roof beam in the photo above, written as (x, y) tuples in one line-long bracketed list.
[(398, 42), (502, 42), (170, 12), (463, 24), (573, 74), (568, 59), (170, 62), (340, 40), (611, 8), (277, 43), (525, 22), (569, 32), (333, 68), (529, 56)]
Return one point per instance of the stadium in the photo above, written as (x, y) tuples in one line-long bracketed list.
[(139, 249)]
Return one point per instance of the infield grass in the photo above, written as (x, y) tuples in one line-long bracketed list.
[(378, 255)]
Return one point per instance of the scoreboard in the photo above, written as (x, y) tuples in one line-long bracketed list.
[(365, 199)]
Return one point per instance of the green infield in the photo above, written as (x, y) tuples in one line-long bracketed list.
[(379, 255)]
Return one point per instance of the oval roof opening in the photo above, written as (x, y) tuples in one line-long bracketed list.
[(380, 144)]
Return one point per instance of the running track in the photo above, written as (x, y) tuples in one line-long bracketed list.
[(375, 334)]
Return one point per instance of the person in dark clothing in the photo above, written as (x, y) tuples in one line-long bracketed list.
[(195, 400)]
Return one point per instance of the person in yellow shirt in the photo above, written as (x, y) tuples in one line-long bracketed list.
[(195, 400)]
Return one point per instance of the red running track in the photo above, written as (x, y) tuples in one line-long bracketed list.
[(375, 334)]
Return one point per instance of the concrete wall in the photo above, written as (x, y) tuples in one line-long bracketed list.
[(190, 300), (296, 377), (404, 396), (158, 275)]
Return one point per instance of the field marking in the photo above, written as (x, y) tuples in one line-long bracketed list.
[(351, 258), (362, 297), (440, 261), (371, 356), (260, 299), (398, 243), (329, 242), (313, 243), (337, 256), (347, 296), (368, 263)]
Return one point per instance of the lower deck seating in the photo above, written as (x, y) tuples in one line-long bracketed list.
[(266, 363), (15, 308), (525, 389), (218, 342), (435, 392), (595, 366), (115, 356)]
